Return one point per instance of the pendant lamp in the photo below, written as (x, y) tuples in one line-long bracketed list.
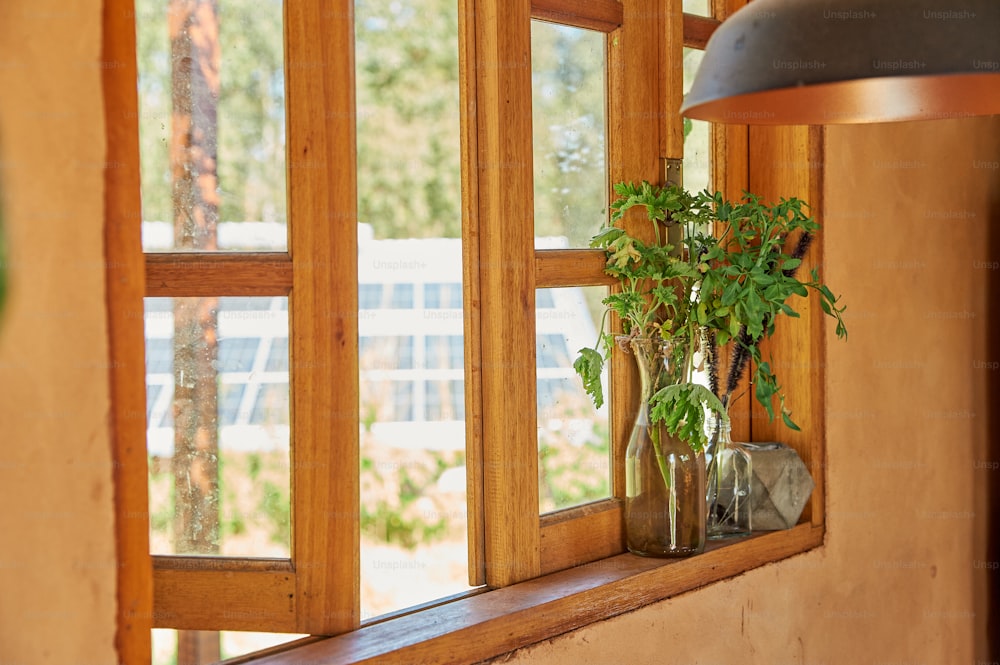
[(818, 62)]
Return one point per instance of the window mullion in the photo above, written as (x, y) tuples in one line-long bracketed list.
[(470, 278), (672, 81), (323, 308), (601, 15), (502, 70), (190, 274), (637, 118), (125, 285), (570, 267)]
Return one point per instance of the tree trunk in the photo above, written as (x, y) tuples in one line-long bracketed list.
[(195, 58)]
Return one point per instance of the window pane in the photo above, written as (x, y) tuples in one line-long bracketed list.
[(230, 399), (385, 352), (443, 296), (568, 93), (445, 400), (550, 351), (277, 357), (212, 125), (444, 352), (699, 7), (573, 436), (369, 296), (697, 135), (219, 479), (413, 513), (230, 643), (402, 296), (236, 354)]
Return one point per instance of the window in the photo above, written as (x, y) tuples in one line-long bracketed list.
[(311, 313), (248, 340)]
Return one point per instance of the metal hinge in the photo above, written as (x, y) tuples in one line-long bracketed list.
[(673, 171)]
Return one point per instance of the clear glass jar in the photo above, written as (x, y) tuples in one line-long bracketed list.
[(664, 478), (728, 485)]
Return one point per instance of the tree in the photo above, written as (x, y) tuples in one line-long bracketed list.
[(409, 151), (195, 62), (568, 129), (250, 111)]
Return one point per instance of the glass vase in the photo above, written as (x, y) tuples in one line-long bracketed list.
[(664, 478), (728, 486)]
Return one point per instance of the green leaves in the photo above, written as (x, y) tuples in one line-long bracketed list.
[(681, 409), (659, 202), (736, 282), (631, 308), (791, 264), (621, 252), (606, 236), (589, 365), (766, 387)]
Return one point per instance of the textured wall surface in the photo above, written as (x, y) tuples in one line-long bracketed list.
[(900, 579), (57, 565)]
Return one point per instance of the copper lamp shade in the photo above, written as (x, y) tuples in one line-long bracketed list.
[(818, 62)]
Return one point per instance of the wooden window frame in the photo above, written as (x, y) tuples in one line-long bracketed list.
[(573, 572), (315, 590)]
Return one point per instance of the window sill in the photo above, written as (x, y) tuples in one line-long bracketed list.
[(486, 625)]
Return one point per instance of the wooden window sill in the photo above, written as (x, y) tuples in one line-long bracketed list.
[(485, 625)]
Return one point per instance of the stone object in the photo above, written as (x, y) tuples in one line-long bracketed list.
[(780, 487)]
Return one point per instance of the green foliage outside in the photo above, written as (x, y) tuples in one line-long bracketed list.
[(251, 111), (408, 119), (573, 470), (568, 102), (400, 501)]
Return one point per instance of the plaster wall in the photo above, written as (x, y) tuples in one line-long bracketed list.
[(900, 580), (57, 560)]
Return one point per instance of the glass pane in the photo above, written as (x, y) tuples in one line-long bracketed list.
[(219, 480), (697, 135), (699, 7), (573, 436), (570, 162), (413, 510), (226, 644), (212, 125)]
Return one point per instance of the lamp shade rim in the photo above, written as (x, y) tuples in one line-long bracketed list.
[(885, 99)]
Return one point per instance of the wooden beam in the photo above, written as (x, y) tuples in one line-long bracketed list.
[(581, 535), (698, 30), (242, 599), (183, 274), (636, 121), (791, 160), (324, 325), (671, 64), (472, 325), (600, 15), (125, 287), (507, 288), (570, 267)]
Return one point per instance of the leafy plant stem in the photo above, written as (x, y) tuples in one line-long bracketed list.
[(667, 475)]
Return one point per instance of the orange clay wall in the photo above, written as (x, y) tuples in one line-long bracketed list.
[(57, 560)]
